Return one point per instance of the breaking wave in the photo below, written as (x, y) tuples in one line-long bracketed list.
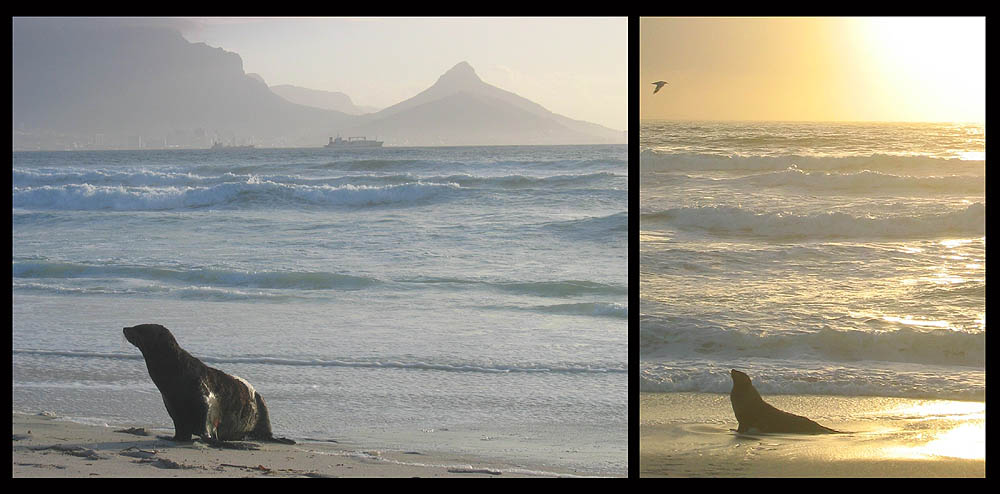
[(867, 181), (491, 368), (140, 198), (653, 160), (728, 220)]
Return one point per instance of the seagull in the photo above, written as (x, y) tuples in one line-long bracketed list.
[(659, 84)]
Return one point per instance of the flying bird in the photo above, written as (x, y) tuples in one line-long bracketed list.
[(659, 84)]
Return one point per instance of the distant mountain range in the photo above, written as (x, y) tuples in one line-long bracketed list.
[(327, 100), (82, 85), (461, 109)]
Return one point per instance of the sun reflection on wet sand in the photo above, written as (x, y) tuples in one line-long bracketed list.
[(953, 429)]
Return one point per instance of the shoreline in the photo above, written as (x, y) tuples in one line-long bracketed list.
[(690, 434), (45, 445)]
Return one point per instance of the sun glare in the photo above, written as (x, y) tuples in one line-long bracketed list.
[(939, 61), (960, 430)]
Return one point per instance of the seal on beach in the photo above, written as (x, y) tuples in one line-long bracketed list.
[(201, 400), (754, 414)]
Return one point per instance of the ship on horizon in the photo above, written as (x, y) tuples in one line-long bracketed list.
[(219, 145), (353, 143)]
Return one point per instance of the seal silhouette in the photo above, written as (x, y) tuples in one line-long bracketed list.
[(754, 414), (201, 400)]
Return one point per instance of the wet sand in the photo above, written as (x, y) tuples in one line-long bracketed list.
[(47, 446), (692, 435)]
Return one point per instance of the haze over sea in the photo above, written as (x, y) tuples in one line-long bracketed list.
[(467, 299), (819, 258)]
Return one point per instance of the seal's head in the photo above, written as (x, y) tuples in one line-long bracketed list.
[(739, 378), (149, 336), (742, 387)]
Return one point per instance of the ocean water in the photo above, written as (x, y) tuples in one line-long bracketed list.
[(820, 258), (468, 299)]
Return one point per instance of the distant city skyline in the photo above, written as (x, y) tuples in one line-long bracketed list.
[(576, 67)]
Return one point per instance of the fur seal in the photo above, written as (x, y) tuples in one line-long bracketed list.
[(755, 414), (201, 400)]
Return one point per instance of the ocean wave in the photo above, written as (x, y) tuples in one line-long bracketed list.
[(794, 377), (728, 220), (476, 158), (199, 293), (889, 342), (867, 181), (233, 284), (491, 368), (597, 309), (653, 160), (197, 278), (139, 177), (251, 191), (523, 181), (126, 177), (593, 228), (566, 288), (592, 309), (379, 165), (555, 288)]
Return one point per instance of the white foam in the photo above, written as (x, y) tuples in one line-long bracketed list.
[(140, 198)]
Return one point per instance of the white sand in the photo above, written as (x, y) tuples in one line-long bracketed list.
[(690, 435), (46, 446)]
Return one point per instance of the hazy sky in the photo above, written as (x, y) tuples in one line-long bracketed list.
[(855, 69), (576, 67)]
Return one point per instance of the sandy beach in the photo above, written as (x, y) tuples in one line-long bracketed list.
[(47, 446), (691, 435)]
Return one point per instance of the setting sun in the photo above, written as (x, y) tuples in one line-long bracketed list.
[(940, 61), (899, 69)]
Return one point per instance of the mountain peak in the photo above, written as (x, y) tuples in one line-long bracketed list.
[(459, 75)]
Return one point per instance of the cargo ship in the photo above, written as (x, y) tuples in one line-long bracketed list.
[(353, 143), (219, 145)]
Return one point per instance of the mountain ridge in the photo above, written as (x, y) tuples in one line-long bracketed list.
[(403, 122), (82, 86)]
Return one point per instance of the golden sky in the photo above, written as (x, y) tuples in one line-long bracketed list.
[(890, 69)]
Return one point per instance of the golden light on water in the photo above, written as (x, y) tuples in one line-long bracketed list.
[(972, 155), (651, 236), (955, 429), (909, 321), (955, 242)]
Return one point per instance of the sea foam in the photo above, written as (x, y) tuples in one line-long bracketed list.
[(233, 194)]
